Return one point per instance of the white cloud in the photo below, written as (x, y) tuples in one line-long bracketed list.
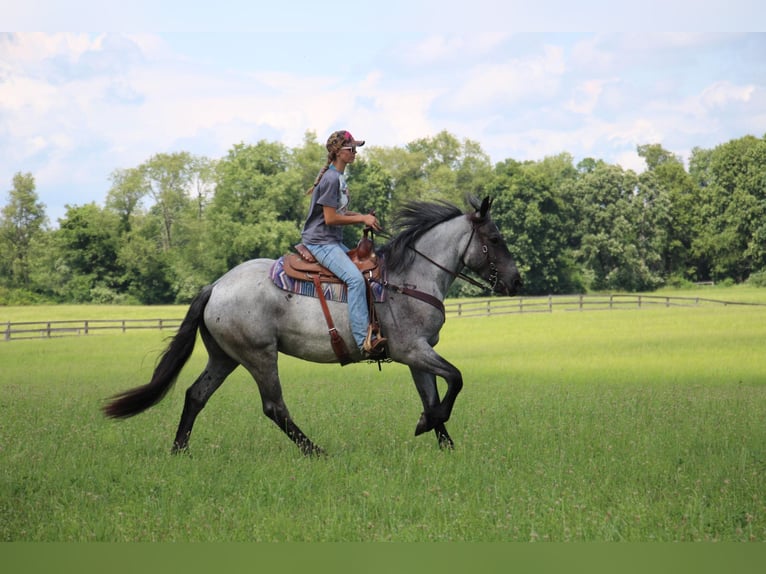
[(440, 48), (723, 93), (587, 95), (74, 107), (506, 83)]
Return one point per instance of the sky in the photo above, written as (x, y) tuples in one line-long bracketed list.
[(108, 94)]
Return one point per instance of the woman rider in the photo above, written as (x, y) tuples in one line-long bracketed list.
[(323, 234)]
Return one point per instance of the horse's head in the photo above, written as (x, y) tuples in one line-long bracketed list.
[(488, 255)]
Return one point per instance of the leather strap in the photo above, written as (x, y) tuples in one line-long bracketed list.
[(337, 342), (420, 295)]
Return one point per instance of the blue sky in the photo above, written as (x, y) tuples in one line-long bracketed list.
[(75, 106)]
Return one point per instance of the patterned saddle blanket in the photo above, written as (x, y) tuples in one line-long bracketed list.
[(333, 290)]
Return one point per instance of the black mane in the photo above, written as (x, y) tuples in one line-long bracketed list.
[(410, 222)]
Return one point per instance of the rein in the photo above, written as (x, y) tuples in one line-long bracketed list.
[(433, 301), (460, 274)]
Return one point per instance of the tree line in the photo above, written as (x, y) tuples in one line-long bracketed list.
[(179, 221)]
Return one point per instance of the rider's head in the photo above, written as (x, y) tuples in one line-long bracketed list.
[(340, 142)]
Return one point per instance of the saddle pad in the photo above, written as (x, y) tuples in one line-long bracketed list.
[(332, 291)]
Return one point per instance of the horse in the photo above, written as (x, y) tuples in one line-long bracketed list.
[(244, 319)]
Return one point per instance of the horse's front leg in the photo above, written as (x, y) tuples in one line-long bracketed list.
[(434, 416)]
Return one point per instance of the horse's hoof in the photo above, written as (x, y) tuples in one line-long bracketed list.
[(446, 443), (423, 425), (313, 450), (180, 449)]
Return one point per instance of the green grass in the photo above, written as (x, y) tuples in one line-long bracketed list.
[(599, 426)]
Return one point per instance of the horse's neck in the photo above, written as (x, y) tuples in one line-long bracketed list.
[(443, 245)]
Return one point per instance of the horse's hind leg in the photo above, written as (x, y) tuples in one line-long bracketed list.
[(263, 367), (197, 395)]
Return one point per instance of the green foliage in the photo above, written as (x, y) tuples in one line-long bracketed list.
[(731, 238), (532, 209), (757, 279), (178, 221), (22, 221)]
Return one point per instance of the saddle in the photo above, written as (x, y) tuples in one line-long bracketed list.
[(304, 267)]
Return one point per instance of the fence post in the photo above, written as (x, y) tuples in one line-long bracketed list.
[(86, 327), (48, 330), (8, 331), (581, 302), (550, 303)]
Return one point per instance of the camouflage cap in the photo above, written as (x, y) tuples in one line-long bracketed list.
[(340, 139)]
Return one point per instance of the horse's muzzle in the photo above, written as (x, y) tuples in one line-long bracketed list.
[(509, 286)]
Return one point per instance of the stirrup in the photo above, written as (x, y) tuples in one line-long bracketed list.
[(374, 344)]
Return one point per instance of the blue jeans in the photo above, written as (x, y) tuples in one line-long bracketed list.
[(333, 256)]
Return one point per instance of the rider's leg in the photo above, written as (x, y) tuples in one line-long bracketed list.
[(335, 258)]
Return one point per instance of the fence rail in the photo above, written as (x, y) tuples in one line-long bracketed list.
[(456, 309), (508, 305), (50, 329)]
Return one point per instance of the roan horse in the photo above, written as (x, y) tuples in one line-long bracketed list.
[(244, 319)]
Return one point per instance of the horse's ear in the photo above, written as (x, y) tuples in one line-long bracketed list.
[(485, 207)]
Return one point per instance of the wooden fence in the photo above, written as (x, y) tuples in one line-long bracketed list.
[(49, 329), (454, 309), (507, 305)]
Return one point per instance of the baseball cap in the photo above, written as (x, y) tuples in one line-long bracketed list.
[(340, 139)]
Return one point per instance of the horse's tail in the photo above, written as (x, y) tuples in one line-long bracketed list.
[(137, 400)]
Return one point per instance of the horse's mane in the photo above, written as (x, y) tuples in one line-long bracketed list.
[(410, 222)]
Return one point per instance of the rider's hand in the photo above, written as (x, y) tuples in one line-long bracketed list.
[(371, 221)]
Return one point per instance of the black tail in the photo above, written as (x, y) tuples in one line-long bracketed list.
[(137, 400)]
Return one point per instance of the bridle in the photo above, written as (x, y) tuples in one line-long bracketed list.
[(493, 275), (411, 291)]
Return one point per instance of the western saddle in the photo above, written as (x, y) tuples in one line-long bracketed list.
[(304, 266)]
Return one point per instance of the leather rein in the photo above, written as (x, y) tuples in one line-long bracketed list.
[(433, 301)]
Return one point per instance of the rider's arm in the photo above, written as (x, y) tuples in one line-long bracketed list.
[(332, 217)]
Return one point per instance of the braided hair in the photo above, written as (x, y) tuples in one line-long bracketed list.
[(330, 159)]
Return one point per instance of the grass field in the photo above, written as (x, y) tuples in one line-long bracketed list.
[(641, 425)]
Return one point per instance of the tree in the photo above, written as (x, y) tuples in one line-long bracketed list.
[(129, 187), (23, 222), (669, 205), (202, 182), (732, 180), (532, 211), (370, 188), (610, 213), (308, 159), (450, 169), (258, 208), (168, 178), (440, 167), (88, 241), (147, 273)]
